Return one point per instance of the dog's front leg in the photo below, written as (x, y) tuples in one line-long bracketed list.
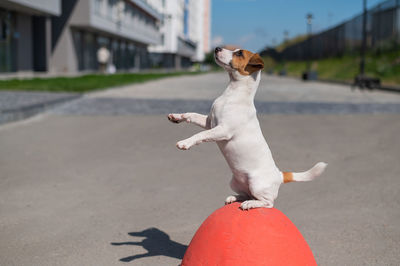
[(194, 118), (217, 133)]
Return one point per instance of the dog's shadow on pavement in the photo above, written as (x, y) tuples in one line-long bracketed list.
[(156, 243)]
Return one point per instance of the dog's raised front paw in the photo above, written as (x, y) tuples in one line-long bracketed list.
[(184, 145), (176, 118)]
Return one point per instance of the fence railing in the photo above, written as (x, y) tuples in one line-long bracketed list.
[(383, 31)]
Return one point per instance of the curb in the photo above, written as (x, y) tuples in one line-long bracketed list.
[(394, 89), (19, 113)]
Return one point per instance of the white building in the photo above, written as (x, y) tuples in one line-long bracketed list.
[(200, 27), (185, 33)]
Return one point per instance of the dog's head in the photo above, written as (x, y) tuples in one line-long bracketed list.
[(238, 62)]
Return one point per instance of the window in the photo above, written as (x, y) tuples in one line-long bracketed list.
[(7, 54), (77, 39)]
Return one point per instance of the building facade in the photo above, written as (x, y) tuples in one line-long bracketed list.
[(185, 32), (64, 36), (25, 34), (124, 27)]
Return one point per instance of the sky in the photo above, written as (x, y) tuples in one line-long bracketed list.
[(254, 24)]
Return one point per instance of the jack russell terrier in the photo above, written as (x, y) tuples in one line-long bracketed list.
[(233, 124)]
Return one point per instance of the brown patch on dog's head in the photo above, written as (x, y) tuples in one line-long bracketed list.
[(231, 47), (246, 62)]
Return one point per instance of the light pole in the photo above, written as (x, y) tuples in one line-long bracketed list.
[(364, 38), (283, 71), (361, 80), (309, 18), (308, 74), (285, 35)]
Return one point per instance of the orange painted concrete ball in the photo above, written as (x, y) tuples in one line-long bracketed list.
[(231, 236)]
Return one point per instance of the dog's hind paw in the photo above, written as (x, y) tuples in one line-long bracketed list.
[(251, 204), (230, 199), (184, 145)]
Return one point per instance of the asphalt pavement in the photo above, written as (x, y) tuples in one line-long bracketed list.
[(99, 181)]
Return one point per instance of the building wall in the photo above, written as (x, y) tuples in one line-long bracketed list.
[(125, 19), (157, 5), (24, 49), (63, 58), (196, 27), (26, 24), (171, 27), (207, 26), (199, 27), (185, 29), (119, 25), (63, 36), (201, 31)]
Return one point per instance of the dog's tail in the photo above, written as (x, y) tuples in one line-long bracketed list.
[(308, 175)]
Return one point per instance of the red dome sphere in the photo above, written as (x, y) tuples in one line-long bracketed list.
[(231, 236)]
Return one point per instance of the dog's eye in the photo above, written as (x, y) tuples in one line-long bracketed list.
[(239, 53)]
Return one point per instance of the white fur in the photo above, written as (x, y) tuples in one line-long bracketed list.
[(233, 124)]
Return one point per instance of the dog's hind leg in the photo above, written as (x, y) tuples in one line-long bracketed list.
[(262, 195), (241, 190)]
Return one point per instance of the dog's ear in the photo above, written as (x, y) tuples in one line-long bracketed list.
[(255, 63)]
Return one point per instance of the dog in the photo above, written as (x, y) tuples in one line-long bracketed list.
[(232, 123)]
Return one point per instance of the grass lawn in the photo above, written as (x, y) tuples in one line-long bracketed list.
[(385, 66), (84, 83)]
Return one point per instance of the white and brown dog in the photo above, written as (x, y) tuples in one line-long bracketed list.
[(233, 124)]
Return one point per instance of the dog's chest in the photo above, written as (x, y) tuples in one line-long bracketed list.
[(217, 109), (229, 108)]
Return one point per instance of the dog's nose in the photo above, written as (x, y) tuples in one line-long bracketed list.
[(218, 49)]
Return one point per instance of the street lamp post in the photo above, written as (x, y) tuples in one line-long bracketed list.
[(361, 80), (308, 74), (309, 18), (364, 38), (285, 35), (283, 71)]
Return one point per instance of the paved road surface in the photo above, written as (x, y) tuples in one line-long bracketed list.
[(106, 188)]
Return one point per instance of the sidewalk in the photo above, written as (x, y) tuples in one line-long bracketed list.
[(275, 95), (177, 94), (271, 89)]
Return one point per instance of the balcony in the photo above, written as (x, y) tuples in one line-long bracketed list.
[(147, 8), (36, 7), (186, 47)]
